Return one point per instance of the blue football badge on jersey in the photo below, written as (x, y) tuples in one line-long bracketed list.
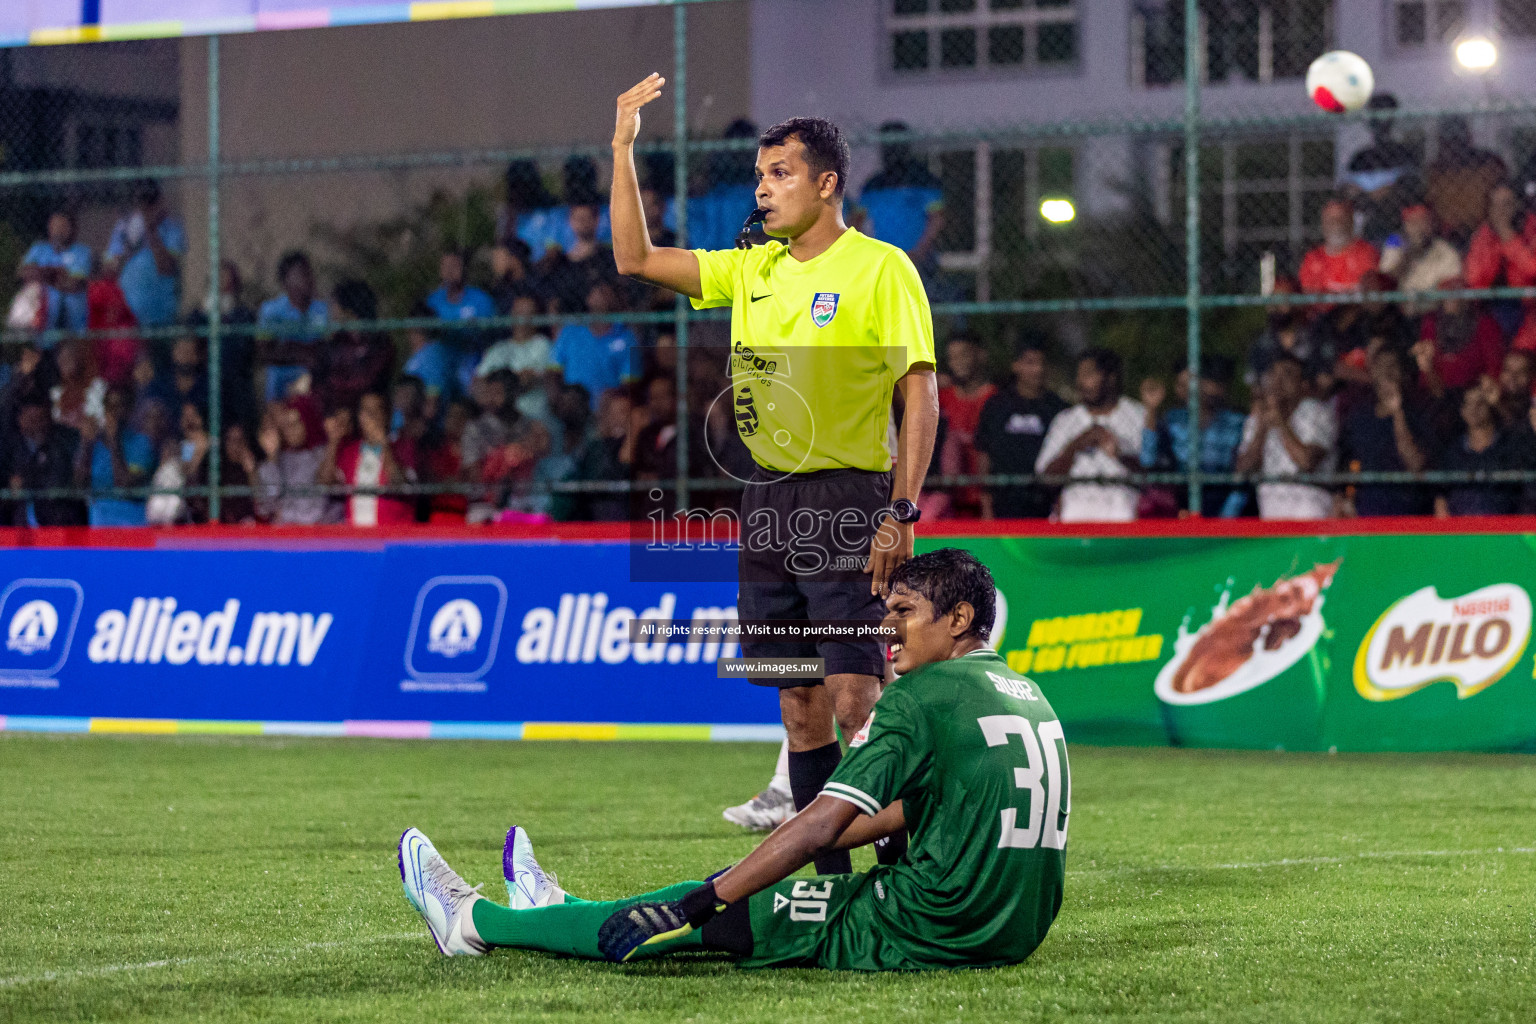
[(38, 618), (824, 308)]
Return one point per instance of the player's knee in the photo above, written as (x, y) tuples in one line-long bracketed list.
[(807, 716), (795, 704), (853, 705), (850, 723)]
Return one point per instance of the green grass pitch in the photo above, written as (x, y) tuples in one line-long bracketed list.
[(254, 879)]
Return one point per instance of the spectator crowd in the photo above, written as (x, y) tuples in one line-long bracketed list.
[(325, 420)]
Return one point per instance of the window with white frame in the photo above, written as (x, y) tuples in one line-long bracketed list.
[(959, 36), (1415, 23), (992, 196), (1421, 22), (1257, 194), (1244, 40)]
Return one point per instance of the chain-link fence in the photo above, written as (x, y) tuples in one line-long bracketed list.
[(415, 320)]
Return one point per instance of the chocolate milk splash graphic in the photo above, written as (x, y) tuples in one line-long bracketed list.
[(1252, 676), (1264, 621)]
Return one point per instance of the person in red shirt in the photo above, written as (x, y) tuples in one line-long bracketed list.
[(1338, 264), (107, 310), (961, 402), (1499, 256), (1459, 344), (444, 462), (368, 460)]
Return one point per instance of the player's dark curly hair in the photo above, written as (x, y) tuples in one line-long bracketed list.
[(825, 148), (946, 577)]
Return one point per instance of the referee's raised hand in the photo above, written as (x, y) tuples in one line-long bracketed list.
[(626, 127), (634, 255)]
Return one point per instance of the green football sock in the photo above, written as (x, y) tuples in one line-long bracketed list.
[(571, 928)]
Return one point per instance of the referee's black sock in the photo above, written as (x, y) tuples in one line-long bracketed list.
[(809, 771), (890, 849)]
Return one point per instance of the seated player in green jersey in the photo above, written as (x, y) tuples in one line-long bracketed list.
[(962, 752)]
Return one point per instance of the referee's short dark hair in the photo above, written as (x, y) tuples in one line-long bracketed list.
[(945, 578), (825, 148)]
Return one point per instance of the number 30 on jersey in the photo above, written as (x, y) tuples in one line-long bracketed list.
[(1045, 777)]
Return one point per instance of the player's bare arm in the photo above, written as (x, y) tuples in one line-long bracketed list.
[(633, 253), (919, 391), (866, 830)]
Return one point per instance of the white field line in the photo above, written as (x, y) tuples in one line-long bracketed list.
[(247, 956)]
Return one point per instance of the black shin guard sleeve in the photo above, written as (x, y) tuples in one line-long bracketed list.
[(809, 771), (890, 849), (730, 931)]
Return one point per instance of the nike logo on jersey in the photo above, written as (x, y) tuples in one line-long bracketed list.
[(756, 298)]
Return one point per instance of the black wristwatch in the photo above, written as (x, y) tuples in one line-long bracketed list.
[(903, 511)]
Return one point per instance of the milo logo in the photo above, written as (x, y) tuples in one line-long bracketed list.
[(1472, 641)]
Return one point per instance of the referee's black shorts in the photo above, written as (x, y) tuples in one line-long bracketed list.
[(804, 540)]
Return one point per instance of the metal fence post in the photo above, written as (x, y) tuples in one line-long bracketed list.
[(215, 312), (680, 199), (1193, 68)]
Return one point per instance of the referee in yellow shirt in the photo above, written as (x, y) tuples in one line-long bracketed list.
[(826, 326)]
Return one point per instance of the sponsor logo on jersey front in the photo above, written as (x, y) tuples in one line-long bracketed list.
[(1470, 641), (455, 631), (824, 308), (39, 617), (746, 412)]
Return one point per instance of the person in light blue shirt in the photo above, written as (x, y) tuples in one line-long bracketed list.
[(1165, 436), (529, 211), (63, 266), (552, 229), (904, 202), (145, 251), (454, 299), (120, 457), (715, 217), (292, 323), (557, 232), (432, 363), (597, 355)]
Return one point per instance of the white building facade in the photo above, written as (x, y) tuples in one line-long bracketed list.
[(985, 66)]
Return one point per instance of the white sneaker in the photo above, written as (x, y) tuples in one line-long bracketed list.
[(528, 885), (440, 896), (764, 812)]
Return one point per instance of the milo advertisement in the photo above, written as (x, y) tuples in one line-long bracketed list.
[(1347, 643)]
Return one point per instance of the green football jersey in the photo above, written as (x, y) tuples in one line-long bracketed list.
[(977, 757)]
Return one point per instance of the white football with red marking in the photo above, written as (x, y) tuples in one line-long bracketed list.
[(1340, 81)]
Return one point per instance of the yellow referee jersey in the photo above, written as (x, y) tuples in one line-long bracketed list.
[(817, 347)]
